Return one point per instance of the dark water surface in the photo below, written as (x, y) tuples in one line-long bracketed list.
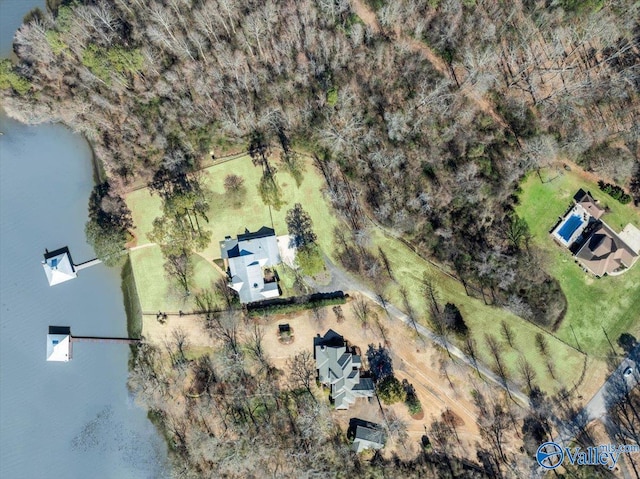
[(63, 420)]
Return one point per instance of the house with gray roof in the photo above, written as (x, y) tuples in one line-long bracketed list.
[(366, 435), (339, 369), (245, 259)]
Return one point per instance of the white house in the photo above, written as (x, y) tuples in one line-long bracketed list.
[(246, 257)]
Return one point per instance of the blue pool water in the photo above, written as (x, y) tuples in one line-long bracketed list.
[(569, 227)]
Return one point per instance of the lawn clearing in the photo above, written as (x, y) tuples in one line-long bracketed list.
[(230, 216), (611, 302), (144, 209), (409, 269), (159, 293)]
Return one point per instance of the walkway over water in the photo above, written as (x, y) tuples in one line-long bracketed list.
[(87, 264), (95, 339)]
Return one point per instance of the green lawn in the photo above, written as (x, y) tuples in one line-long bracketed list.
[(227, 216), (159, 293), (408, 269), (612, 302), (230, 217)]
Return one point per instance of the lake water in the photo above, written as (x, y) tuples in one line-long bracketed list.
[(75, 419)]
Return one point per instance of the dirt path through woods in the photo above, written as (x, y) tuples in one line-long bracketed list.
[(466, 88)]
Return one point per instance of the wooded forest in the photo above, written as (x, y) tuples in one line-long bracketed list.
[(422, 115)]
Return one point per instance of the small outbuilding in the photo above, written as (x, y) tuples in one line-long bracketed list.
[(366, 435), (58, 266), (59, 344)]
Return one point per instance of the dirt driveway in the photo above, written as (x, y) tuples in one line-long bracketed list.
[(438, 387), (418, 362)]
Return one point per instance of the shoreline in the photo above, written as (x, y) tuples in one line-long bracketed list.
[(131, 301), (98, 173)]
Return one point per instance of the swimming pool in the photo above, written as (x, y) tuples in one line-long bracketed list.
[(569, 227)]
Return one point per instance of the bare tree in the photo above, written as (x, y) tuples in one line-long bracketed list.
[(385, 262), (302, 371), (224, 327), (361, 310), (255, 348), (337, 311), (408, 308), (396, 427), (542, 344), (527, 372), (499, 365), (470, 349), (507, 333), (176, 347), (222, 289)]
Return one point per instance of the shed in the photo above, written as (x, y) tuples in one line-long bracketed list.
[(368, 435)]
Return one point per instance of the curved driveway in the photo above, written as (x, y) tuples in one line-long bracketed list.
[(341, 280)]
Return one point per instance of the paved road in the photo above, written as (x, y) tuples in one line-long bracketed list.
[(340, 280), (624, 378), (615, 386)]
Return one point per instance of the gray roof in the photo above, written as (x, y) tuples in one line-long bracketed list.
[(368, 437), (247, 255), (340, 370)]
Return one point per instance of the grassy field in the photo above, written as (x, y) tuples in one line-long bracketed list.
[(156, 291), (612, 302), (229, 216), (409, 270)]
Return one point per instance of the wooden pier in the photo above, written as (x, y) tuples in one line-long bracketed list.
[(87, 264), (95, 339), (60, 342)]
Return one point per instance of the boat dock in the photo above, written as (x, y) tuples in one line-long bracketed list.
[(95, 339), (60, 342), (59, 266)]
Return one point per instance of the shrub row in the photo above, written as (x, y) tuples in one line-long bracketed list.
[(615, 192), (299, 303)]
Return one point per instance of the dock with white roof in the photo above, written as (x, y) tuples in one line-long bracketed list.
[(60, 342), (59, 267)]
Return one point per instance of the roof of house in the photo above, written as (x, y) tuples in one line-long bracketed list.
[(579, 195), (58, 266), (263, 232), (59, 344), (604, 252), (247, 255), (340, 370), (370, 436), (589, 204)]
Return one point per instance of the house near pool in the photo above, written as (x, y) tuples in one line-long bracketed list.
[(594, 244)]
